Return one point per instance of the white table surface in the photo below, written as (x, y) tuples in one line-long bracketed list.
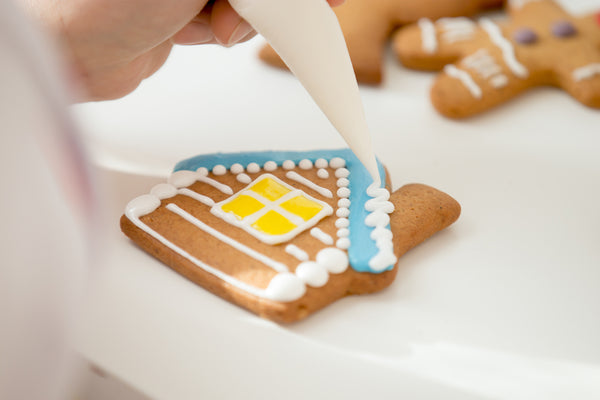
[(504, 304)]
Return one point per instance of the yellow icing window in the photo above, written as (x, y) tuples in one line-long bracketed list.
[(242, 206), (269, 189), (302, 207), (273, 223)]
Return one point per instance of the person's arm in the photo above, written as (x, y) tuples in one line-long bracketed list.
[(112, 45)]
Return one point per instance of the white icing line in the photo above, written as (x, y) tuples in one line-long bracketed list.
[(306, 182), (457, 29), (499, 81), (243, 178), (216, 184), (276, 265), (379, 208), (197, 196), (586, 72), (296, 252), (322, 236), (483, 63), (520, 3), (465, 79), (428, 35), (508, 51)]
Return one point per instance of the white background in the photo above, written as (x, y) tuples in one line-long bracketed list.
[(504, 304)]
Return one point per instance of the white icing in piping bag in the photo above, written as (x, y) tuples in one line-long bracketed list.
[(308, 38)]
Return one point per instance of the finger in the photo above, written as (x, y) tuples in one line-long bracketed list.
[(227, 25)]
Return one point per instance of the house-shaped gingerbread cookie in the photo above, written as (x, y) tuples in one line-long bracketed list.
[(284, 234)]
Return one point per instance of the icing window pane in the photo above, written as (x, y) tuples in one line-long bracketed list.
[(302, 207), (269, 189), (273, 223), (242, 206)]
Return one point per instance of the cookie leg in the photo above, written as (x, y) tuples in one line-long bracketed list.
[(583, 83), (420, 211)]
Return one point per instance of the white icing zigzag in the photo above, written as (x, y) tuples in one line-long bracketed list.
[(380, 207)]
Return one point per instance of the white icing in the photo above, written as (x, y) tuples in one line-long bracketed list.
[(278, 290), (285, 287), (183, 178), (253, 168), (341, 173), (337, 162), (483, 63), (343, 192), (334, 260), (243, 178), (288, 164), (586, 72), (322, 236), (344, 232), (297, 252), (520, 3), (342, 212), (202, 171), (499, 81), (246, 223), (344, 203), (508, 51), (343, 182), (305, 164), (322, 173), (276, 265), (321, 163), (428, 36), (270, 166), (456, 29), (197, 196), (342, 223), (219, 170), (216, 184), (164, 191), (465, 79), (379, 209), (237, 168), (312, 273), (310, 184), (343, 243)]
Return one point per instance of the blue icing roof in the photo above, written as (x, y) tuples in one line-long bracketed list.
[(362, 247)]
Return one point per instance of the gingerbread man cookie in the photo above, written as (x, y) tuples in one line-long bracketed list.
[(367, 25), (284, 234), (540, 44)]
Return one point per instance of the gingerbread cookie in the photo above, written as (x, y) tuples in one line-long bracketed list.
[(540, 44), (367, 25), (283, 234)]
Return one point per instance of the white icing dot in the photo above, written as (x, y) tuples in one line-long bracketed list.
[(321, 163), (253, 168), (285, 287), (305, 164), (342, 223), (237, 168), (377, 218), (344, 232), (334, 260), (288, 164), (381, 234), (342, 212), (244, 178), (337, 162), (344, 203), (182, 178), (164, 191), (219, 170), (382, 260), (203, 171), (343, 243), (312, 274), (142, 205), (341, 173), (270, 166), (343, 192), (343, 182), (322, 173)]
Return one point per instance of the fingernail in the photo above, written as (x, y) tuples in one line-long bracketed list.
[(195, 33), (240, 32)]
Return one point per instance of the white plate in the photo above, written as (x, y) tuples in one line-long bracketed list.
[(504, 304)]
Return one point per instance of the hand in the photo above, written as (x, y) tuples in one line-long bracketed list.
[(113, 45)]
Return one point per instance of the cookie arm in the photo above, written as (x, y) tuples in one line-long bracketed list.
[(420, 211)]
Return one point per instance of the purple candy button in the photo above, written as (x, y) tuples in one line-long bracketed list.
[(525, 36), (563, 29)]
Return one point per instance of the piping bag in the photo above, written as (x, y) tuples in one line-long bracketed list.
[(307, 36)]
